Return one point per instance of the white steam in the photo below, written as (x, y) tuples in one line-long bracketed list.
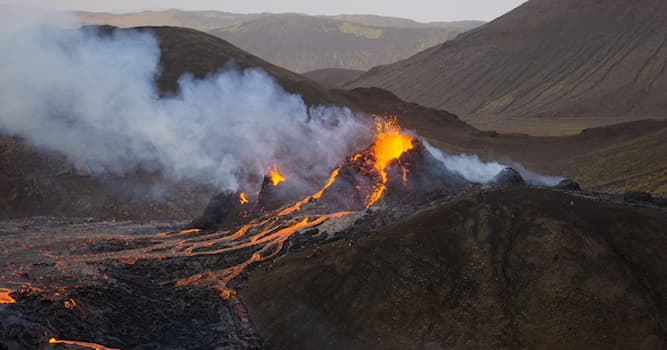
[(471, 168), (93, 98)]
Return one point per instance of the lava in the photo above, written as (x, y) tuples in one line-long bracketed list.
[(317, 195), (330, 182), (265, 236), (275, 176), (70, 304), (273, 244), (242, 198), (80, 343), (187, 232), (390, 143), (5, 298)]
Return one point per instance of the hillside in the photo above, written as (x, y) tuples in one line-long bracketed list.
[(585, 59), (333, 76), (305, 43), (507, 269), (396, 22), (201, 20)]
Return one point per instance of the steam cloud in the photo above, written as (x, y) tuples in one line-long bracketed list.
[(93, 98), (475, 170)]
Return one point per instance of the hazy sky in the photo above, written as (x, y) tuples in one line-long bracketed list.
[(421, 10)]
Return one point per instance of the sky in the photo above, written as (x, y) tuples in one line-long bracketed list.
[(420, 10)]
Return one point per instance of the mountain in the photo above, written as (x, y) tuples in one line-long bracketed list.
[(397, 22), (506, 269), (304, 43), (333, 76), (547, 58), (299, 42), (201, 20)]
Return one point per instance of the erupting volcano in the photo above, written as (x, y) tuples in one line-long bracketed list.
[(269, 231)]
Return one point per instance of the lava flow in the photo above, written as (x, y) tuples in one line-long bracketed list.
[(260, 235), (5, 298), (80, 343), (389, 145)]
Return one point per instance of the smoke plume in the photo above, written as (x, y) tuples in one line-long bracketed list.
[(477, 171), (93, 97)]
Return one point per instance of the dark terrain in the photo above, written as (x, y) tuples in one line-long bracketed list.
[(580, 62), (513, 269)]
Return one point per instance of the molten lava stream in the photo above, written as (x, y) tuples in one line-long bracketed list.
[(317, 195), (5, 298), (80, 343), (274, 244)]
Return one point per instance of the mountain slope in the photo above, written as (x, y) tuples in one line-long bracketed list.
[(201, 20), (510, 269), (333, 76), (545, 58), (304, 43)]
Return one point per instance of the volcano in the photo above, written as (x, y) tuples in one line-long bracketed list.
[(390, 245)]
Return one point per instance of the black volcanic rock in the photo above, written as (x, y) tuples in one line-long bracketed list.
[(222, 209), (508, 177), (637, 196), (568, 184)]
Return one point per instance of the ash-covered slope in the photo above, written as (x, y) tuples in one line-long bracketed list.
[(513, 268), (545, 58)]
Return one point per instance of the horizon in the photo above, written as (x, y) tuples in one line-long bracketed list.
[(478, 10)]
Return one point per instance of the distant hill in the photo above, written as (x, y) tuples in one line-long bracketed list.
[(200, 20), (304, 43), (566, 58), (333, 76), (397, 22)]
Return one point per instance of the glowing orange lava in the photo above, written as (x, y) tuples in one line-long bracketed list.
[(70, 304), (297, 206), (80, 343), (389, 145), (276, 177), (5, 298), (187, 232), (242, 198)]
